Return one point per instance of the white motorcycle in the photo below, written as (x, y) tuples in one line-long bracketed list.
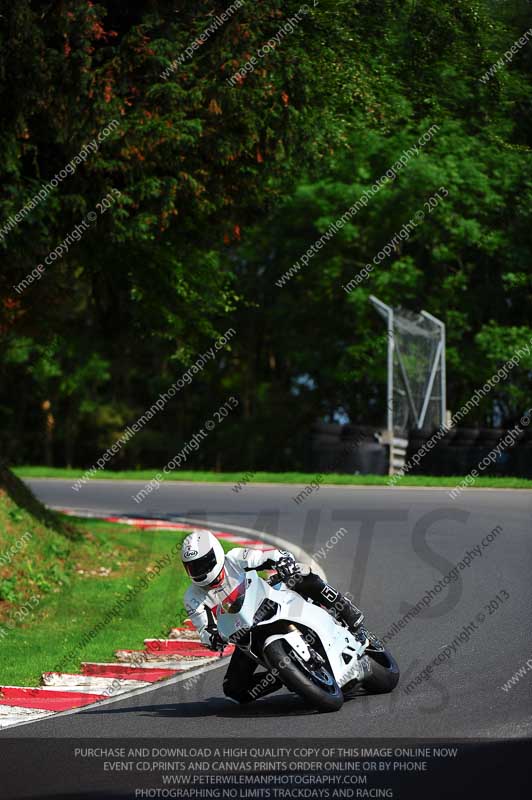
[(314, 655)]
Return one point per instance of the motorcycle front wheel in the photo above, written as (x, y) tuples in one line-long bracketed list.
[(315, 684), (381, 672)]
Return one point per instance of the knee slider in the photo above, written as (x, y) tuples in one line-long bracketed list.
[(235, 692)]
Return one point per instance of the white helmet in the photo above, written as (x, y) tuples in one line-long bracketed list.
[(203, 557)]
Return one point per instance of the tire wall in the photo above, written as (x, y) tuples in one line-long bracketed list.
[(352, 449)]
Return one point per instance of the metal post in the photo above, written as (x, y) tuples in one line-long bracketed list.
[(443, 377), (387, 312), (391, 345), (443, 374)]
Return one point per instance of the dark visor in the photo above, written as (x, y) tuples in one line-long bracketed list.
[(200, 567)]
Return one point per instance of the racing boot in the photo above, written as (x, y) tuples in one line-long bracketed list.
[(330, 598), (347, 612)]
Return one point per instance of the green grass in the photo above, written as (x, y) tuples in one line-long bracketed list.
[(51, 637), (59, 588), (277, 477)]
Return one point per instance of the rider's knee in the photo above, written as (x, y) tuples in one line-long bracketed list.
[(235, 692)]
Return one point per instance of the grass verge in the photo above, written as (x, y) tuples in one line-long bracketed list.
[(277, 477), (80, 593)]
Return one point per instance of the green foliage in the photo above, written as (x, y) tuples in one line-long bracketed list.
[(35, 545), (222, 189)]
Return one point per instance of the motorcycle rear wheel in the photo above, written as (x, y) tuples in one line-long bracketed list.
[(315, 685)]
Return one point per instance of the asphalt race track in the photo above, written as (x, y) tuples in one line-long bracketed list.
[(397, 545)]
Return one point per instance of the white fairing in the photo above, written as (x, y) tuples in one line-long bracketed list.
[(337, 640)]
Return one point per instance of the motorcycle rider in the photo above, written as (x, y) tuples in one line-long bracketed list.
[(215, 578)]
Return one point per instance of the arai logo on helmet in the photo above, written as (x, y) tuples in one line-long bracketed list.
[(191, 553)]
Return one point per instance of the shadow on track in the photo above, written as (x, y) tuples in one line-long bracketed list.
[(278, 706)]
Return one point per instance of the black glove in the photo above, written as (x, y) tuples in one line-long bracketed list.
[(216, 642), (287, 568)]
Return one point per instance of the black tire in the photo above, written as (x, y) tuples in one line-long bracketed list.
[(384, 675), (322, 695), (381, 671)]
